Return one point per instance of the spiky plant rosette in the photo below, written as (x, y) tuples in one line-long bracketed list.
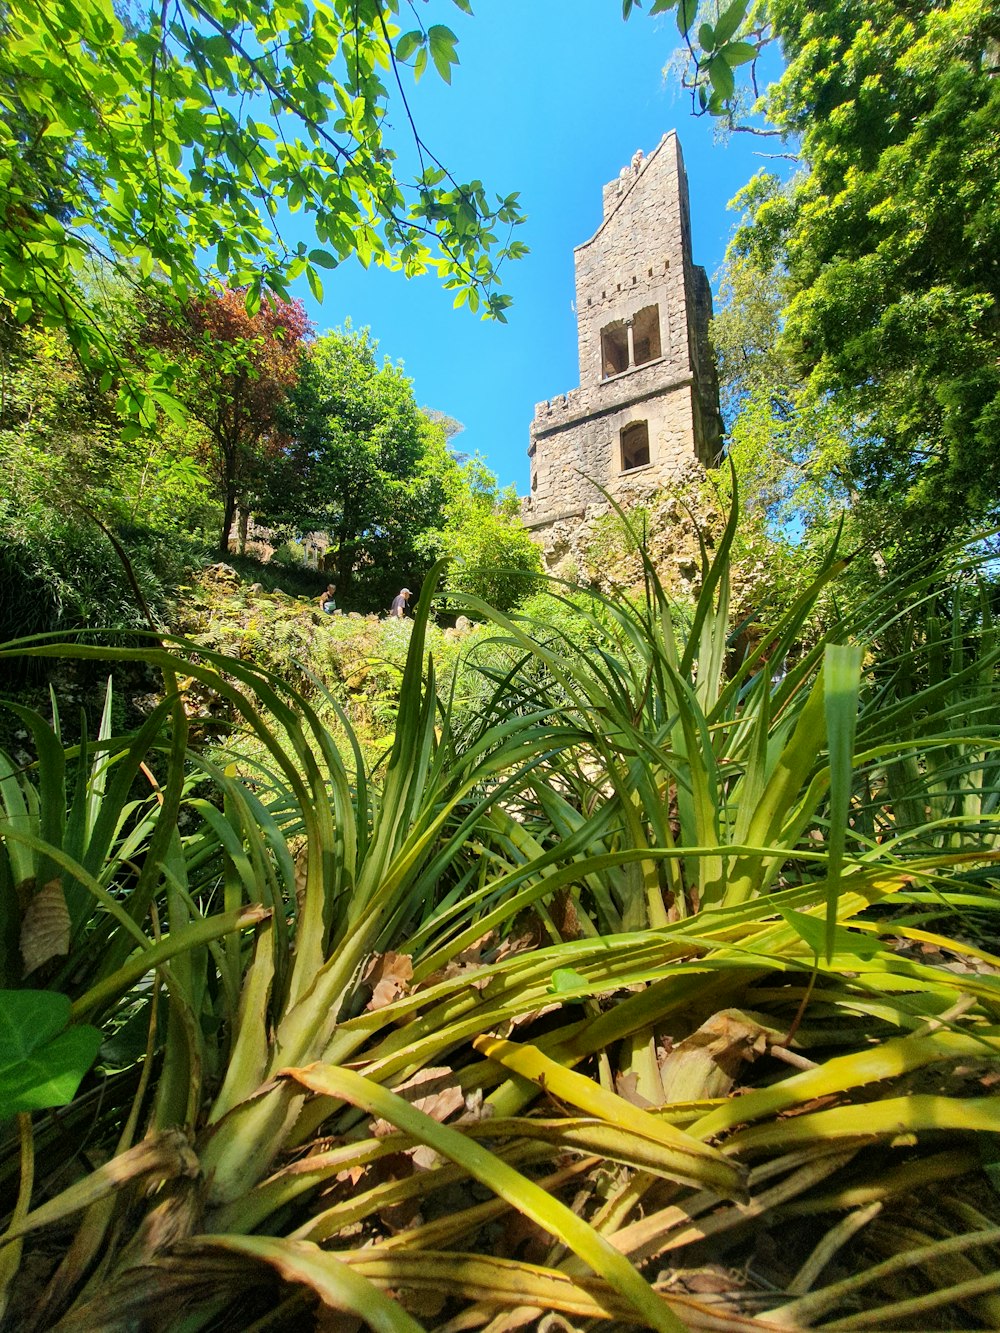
[(620, 1007)]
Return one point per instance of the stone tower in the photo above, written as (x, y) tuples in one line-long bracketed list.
[(646, 412)]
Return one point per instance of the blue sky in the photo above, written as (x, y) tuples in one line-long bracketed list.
[(550, 99)]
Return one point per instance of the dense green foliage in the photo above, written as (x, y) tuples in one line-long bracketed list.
[(868, 287), (890, 241), (492, 555), (363, 465), (313, 437), (158, 143), (71, 485)]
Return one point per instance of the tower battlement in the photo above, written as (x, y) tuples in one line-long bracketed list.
[(647, 404)]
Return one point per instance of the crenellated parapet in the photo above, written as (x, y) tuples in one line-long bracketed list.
[(646, 409)]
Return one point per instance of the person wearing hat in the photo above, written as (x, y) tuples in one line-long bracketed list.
[(399, 603)]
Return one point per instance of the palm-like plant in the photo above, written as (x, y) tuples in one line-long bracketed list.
[(703, 861)]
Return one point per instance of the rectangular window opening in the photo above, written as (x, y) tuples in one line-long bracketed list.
[(614, 349), (635, 445), (646, 335)]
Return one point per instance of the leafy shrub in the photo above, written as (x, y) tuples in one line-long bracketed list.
[(494, 557)]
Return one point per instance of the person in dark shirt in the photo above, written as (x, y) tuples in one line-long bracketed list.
[(398, 610)]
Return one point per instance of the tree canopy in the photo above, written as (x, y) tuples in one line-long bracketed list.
[(171, 142), (235, 370), (886, 245), (891, 241), (362, 463)]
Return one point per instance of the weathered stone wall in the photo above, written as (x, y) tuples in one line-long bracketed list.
[(636, 283)]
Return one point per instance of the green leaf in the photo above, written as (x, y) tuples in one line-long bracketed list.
[(442, 43), (170, 406), (315, 284), (729, 21), (841, 685), (812, 929), (336, 1283), (686, 11), (721, 76), (420, 64), (566, 979), (706, 37), (739, 53), (464, 5), (41, 1060), (322, 258), (505, 1182), (716, 104), (408, 43)]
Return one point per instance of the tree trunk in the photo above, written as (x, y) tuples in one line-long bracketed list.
[(345, 552), (244, 526), (228, 515)]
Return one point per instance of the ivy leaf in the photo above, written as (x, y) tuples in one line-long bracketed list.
[(442, 43)]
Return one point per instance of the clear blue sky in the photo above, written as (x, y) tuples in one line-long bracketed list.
[(550, 99)]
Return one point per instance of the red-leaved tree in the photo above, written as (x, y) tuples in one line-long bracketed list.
[(237, 371)]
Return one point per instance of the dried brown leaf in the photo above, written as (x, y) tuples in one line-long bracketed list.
[(433, 1091), (626, 1085), (707, 1064), (45, 927), (532, 934), (388, 975), (564, 915)]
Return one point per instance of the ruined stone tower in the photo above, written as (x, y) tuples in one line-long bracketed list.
[(646, 411)]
